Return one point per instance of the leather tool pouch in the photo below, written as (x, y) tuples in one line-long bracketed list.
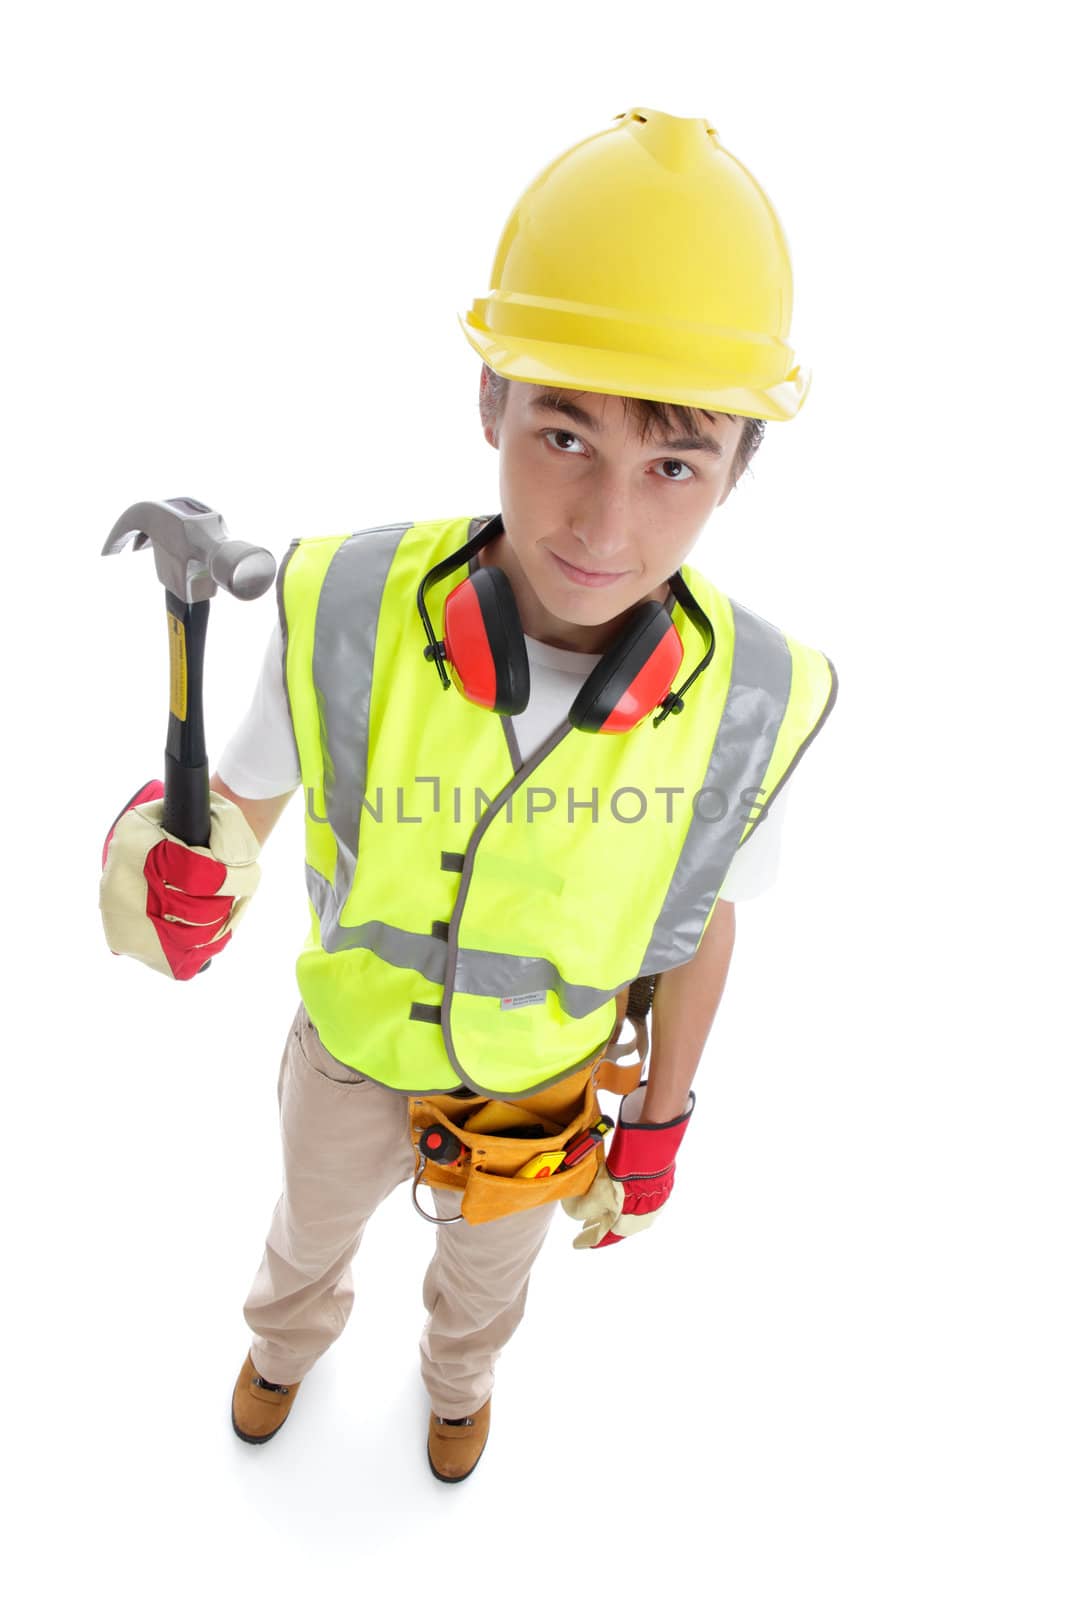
[(488, 1163), (490, 1158)]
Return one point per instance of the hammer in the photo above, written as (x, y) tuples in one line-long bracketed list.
[(194, 555)]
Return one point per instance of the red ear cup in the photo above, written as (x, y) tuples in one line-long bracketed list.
[(634, 676), (484, 643)]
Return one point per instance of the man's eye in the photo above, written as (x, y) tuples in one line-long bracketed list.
[(673, 463), (561, 433)]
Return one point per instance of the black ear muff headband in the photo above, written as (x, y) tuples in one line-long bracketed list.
[(485, 647)]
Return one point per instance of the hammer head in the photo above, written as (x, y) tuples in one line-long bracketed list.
[(194, 553)]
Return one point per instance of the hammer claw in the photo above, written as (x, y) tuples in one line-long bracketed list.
[(193, 550)]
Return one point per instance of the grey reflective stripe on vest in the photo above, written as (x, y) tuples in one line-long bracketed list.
[(344, 659), (756, 703)]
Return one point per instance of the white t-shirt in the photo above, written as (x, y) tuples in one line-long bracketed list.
[(261, 759)]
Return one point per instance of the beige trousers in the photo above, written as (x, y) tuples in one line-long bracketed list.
[(345, 1147)]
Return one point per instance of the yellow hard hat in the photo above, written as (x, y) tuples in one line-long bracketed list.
[(646, 261)]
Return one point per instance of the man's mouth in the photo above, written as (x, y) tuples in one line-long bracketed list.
[(583, 575)]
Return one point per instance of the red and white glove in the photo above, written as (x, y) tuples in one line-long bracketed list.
[(171, 905), (636, 1179)]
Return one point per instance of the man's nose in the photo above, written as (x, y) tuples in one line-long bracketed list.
[(602, 524)]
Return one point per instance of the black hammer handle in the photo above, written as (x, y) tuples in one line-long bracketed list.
[(186, 781), (186, 786)]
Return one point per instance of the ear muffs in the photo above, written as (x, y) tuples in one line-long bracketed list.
[(485, 647), (484, 643)]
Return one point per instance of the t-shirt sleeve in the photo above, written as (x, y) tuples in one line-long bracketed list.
[(754, 867), (261, 759)]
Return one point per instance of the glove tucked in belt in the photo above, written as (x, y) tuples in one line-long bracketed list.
[(636, 1179)]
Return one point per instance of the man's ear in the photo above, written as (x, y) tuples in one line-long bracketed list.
[(487, 428)]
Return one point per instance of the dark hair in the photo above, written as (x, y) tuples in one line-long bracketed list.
[(658, 414)]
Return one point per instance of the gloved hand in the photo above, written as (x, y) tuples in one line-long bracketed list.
[(635, 1180), (171, 905)]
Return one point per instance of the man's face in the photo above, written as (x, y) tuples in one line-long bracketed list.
[(582, 492)]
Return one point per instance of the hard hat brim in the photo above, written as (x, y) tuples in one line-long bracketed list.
[(640, 375)]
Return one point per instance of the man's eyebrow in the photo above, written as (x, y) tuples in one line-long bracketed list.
[(577, 413)]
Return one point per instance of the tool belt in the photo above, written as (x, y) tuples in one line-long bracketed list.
[(485, 1143)]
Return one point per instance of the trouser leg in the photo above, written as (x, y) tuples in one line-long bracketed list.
[(475, 1292), (345, 1147)]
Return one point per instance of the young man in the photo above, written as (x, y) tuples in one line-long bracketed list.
[(620, 728)]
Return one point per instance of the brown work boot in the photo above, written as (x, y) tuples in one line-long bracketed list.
[(455, 1448), (259, 1408)]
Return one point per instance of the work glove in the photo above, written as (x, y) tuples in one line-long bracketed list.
[(171, 905), (636, 1178)]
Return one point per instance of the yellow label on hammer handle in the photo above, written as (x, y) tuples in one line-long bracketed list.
[(179, 673)]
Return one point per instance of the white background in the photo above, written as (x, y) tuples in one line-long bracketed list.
[(238, 239)]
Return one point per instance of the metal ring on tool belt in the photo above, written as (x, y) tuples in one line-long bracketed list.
[(442, 1222)]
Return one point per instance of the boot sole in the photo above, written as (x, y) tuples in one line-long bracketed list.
[(256, 1438), (440, 1476)]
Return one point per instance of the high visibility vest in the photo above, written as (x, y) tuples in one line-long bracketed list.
[(473, 915)]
